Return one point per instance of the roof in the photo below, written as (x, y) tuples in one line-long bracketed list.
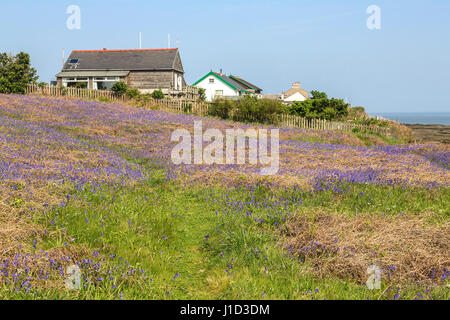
[(246, 84), (296, 88), (272, 96), (124, 60), (93, 74), (227, 80)]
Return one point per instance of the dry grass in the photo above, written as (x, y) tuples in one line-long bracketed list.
[(405, 248)]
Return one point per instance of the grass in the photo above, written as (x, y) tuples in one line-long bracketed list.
[(161, 239), (158, 240)]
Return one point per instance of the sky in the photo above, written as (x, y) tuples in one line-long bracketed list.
[(324, 44)]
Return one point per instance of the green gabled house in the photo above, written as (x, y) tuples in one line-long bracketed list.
[(218, 85)]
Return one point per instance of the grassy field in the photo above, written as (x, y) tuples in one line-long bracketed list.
[(139, 229)]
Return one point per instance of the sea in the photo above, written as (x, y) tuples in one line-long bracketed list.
[(439, 118)]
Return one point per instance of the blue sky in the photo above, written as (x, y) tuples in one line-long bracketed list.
[(324, 44)]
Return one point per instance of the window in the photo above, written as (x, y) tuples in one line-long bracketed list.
[(105, 83), (73, 82), (74, 61), (211, 80), (219, 93), (180, 83)]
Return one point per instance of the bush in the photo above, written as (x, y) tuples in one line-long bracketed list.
[(246, 109), (81, 85), (221, 108), (16, 73), (257, 110), (320, 108), (133, 93), (158, 95), (187, 108), (202, 94), (119, 88)]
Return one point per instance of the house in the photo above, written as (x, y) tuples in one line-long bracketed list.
[(271, 96), (218, 85), (295, 94), (144, 69)]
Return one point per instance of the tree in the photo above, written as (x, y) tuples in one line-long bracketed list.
[(202, 94), (318, 95), (119, 88), (16, 73)]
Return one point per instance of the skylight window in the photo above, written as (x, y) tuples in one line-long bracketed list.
[(74, 61)]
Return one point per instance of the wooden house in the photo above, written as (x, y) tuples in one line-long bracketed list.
[(144, 69)]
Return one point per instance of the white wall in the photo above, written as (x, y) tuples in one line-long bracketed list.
[(295, 97), (217, 85)]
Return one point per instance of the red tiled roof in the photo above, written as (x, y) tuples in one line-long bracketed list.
[(122, 50)]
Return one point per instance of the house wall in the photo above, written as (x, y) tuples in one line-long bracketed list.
[(149, 81), (211, 88), (295, 97)]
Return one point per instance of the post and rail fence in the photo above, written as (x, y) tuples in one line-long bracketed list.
[(201, 108)]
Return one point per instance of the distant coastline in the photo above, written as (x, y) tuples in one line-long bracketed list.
[(421, 118)]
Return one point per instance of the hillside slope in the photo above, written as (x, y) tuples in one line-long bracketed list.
[(92, 184)]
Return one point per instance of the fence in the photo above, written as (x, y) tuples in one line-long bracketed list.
[(73, 92), (321, 124), (194, 107), (201, 109)]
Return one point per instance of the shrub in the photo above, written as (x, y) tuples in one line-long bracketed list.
[(257, 110), (81, 85), (246, 109), (104, 99), (202, 94), (158, 94), (119, 88), (133, 93), (322, 108), (357, 113), (187, 108), (221, 108), (329, 113)]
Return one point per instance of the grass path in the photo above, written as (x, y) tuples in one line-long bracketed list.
[(161, 241)]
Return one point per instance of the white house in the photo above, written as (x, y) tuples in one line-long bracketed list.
[(218, 85), (295, 94)]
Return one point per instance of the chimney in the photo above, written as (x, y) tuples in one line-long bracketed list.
[(104, 49), (221, 72), (296, 85)]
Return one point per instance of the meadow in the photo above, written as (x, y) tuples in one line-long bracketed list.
[(92, 184)]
